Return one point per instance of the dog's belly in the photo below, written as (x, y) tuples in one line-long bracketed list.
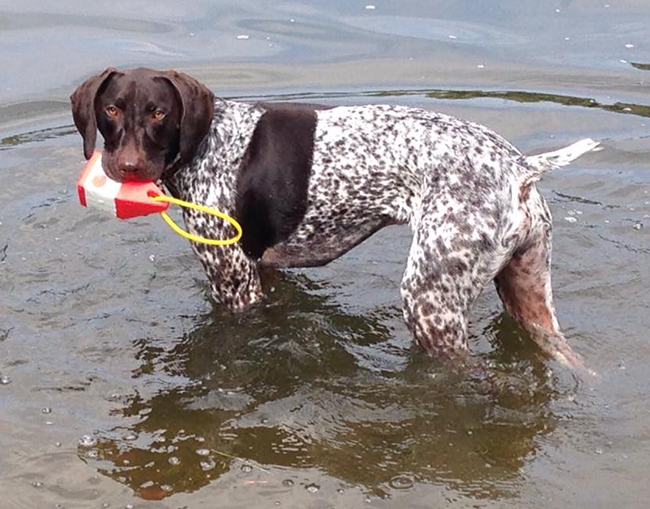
[(313, 247)]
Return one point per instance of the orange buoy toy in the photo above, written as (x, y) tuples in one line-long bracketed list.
[(121, 199)]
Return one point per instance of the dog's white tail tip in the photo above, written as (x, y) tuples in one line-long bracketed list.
[(549, 160)]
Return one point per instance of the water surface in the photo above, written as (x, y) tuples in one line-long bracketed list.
[(122, 384)]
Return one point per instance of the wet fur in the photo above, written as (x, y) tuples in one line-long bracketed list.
[(308, 183)]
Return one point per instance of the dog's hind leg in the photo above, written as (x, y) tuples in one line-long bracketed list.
[(524, 286), (449, 264)]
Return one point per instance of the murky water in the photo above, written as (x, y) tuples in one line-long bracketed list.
[(121, 386)]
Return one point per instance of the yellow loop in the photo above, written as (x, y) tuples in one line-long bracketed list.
[(200, 208)]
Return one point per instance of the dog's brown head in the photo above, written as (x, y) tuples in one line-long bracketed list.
[(147, 119)]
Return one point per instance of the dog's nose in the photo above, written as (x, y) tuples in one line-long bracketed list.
[(130, 163)]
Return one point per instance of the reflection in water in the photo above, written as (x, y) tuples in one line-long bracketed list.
[(286, 387)]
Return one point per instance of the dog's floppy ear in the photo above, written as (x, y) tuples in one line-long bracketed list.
[(197, 103), (83, 109)]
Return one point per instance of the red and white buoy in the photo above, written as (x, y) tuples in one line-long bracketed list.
[(121, 199)]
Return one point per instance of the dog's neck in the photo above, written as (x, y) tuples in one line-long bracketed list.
[(219, 155)]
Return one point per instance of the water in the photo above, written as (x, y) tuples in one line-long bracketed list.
[(108, 323)]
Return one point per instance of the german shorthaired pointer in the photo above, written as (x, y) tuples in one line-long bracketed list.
[(308, 183)]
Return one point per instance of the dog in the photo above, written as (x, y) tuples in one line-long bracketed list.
[(309, 182)]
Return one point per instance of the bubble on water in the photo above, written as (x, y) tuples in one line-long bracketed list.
[(128, 506), (105, 505), (287, 483), (570, 219), (370, 7), (146, 484), (247, 469), (200, 439), (5, 380), (174, 461), (37, 484), (87, 441), (340, 491), (312, 488), (130, 437), (243, 37), (203, 452), (277, 503), (401, 482), (207, 465), (166, 487), (629, 45), (57, 444), (46, 410)]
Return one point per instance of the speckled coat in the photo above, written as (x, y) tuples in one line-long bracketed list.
[(468, 195)]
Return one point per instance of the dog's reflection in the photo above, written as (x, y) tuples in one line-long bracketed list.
[(304, 384)]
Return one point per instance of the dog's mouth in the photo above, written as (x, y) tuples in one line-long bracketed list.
[(152, 173), (137, 177)]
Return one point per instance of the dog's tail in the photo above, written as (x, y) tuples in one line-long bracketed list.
[(541, 163)]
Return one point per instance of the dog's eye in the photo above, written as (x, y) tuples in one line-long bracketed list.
[(158, 115), (112, 111)]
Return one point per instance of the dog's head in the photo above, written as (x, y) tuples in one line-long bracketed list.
[(147, 118)]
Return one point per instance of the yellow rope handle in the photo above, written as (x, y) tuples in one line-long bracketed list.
[(200, 208)]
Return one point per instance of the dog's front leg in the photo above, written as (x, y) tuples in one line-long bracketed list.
[(234, 278)]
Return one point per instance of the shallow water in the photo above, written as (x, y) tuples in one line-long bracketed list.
[(121, 384)]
